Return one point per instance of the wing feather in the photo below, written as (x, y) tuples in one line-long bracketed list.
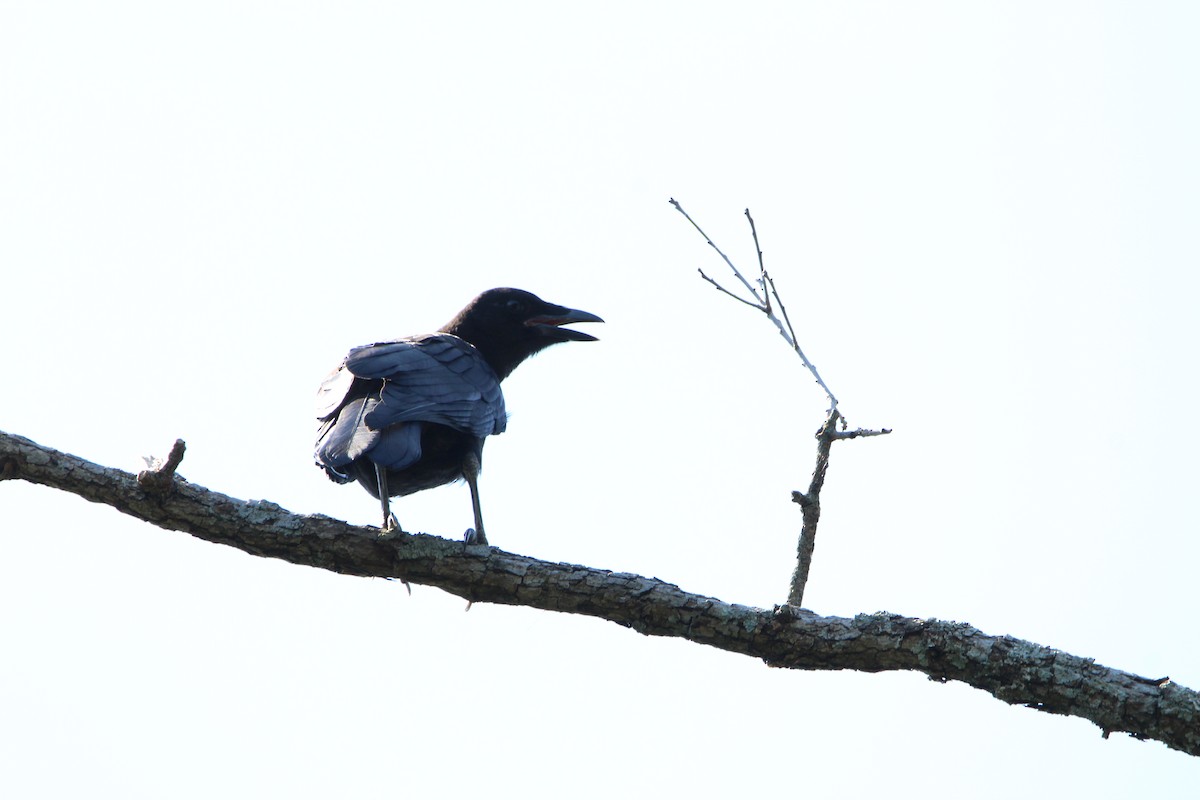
[(345, 437), (374, 404), (436, 378)]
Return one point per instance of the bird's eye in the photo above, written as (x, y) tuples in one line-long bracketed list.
[(514, 305)]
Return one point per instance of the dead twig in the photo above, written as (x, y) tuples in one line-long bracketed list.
[(762, 298), (767, 300), (810, 510)]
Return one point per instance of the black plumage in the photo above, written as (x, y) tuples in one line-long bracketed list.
[(412, 414)]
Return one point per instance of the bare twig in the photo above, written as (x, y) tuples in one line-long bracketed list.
[(810, 501), (726, 291), (762, 302), (859, 433), (762, 271)]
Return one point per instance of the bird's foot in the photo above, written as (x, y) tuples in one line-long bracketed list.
[(472, 537), (391, 525)]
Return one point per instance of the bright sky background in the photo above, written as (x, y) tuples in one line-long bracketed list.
[(983, 218)]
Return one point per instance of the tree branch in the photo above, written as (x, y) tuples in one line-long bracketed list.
[(810, 501), (810, 510), (1013, 670)]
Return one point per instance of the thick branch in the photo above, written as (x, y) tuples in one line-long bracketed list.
[(1013, 670)]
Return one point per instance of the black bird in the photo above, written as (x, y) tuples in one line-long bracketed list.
[(412, 414)]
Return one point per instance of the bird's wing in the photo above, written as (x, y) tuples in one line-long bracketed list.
[(332, 394), (436, 378), (344, 437), (374, 403)]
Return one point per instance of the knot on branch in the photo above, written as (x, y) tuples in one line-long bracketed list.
[(788, 612), (161, 479), (803, 500)]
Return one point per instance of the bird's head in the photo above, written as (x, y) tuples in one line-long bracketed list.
[(509, 325)]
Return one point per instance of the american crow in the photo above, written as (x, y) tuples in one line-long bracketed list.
[(412, 414)]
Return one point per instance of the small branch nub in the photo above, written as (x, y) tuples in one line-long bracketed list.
[(160, 480), (801, 499)]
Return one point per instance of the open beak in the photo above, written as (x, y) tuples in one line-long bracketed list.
[(553, 317)]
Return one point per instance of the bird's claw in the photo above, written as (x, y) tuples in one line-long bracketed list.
[(471, 537)]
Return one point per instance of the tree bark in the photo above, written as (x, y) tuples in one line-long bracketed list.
[(1013, 670)]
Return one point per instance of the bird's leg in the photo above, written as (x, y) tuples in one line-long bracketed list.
[(471, 473), (390, 523)]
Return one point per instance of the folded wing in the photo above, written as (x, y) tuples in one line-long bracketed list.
[(373, 406)]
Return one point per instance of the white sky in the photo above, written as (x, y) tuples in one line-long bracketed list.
[(982, 217)]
